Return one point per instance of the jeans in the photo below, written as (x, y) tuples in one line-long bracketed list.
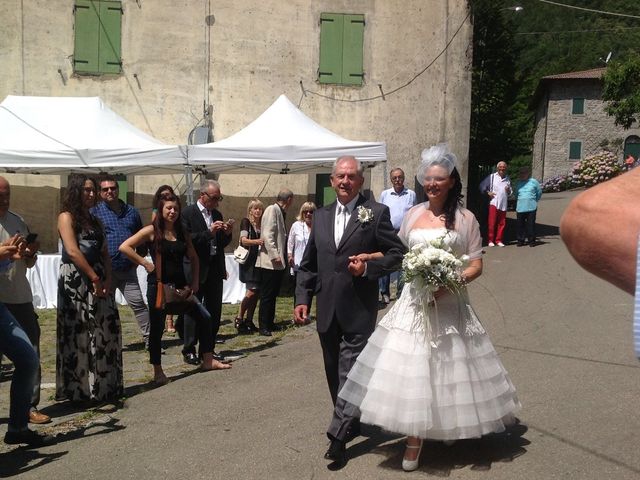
[(384, 284), (15, 344), (127, 282)]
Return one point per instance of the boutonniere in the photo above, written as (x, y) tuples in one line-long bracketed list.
[(365, 215)]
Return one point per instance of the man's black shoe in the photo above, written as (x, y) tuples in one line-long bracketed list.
[(337, 452), (191, 359), (28, 437), (264, 332)]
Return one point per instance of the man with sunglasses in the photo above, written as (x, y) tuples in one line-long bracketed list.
[(121, 221), (210, 235)]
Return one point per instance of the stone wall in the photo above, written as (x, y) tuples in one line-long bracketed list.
[(591, 128)]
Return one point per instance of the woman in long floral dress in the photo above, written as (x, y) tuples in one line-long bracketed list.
[(89, 343)]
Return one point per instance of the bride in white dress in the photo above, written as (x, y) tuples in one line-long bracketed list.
[(429, 370)]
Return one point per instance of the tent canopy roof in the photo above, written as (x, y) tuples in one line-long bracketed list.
[(62, 134), (284, 140)]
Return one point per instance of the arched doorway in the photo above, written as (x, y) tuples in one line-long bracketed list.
[(632, 146)]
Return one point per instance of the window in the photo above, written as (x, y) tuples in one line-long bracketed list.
[(577, 106), (97, 37), (575, 150), (341, 42)]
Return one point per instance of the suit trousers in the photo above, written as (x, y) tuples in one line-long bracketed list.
[(270, 281), (210, 293), (340, 351)]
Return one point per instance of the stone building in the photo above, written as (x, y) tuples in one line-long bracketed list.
[(570, 123), (371, 70)]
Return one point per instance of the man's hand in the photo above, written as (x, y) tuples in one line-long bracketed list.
[(277, 262), (301, 314), (216, 226), (357, 264)]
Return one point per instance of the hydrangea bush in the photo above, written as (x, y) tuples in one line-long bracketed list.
[(594, 169)]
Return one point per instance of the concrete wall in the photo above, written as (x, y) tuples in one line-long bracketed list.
[(556, 126), (189, 62)]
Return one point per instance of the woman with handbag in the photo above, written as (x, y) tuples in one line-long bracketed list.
[(168, 246), (249, 275), (89, 343)]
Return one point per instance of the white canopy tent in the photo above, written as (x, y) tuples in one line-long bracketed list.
[(56, 135), (282, 140)]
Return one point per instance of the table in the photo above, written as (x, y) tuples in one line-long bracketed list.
[(43, 278)]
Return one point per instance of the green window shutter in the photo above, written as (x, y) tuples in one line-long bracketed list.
[(110, 33), (331, 31), (575, 150), (85, 56), (577, 106), (353, 39)]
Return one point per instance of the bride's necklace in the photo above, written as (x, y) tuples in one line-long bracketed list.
[(434, 219)]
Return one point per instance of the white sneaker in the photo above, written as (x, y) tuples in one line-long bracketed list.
[(500, 244), (491, 244)]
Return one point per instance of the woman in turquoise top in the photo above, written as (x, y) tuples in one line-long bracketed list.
[(528, 192)]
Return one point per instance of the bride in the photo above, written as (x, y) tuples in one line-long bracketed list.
[(429, 371)]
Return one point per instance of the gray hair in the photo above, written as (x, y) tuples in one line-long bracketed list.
[(284, 195), (344, 158), (209, 183), (439, 155)]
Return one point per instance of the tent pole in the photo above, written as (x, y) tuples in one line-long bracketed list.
[(188, 176)]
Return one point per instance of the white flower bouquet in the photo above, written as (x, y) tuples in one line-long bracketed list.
[(434, 265)]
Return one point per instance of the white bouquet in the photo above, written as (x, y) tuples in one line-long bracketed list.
[(434, 265)]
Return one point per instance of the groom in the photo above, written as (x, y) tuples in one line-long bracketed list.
[(336, 266)]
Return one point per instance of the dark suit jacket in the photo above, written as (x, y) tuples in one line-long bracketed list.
[(193, 222), (323, 270)]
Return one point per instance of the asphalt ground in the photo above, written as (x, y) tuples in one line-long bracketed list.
[(564, 336)]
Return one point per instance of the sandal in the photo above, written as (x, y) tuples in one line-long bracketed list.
[(241, 326)]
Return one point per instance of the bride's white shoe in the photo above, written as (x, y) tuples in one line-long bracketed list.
[(411, 465)]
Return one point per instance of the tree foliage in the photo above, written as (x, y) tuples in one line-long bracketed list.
[(622, 91)]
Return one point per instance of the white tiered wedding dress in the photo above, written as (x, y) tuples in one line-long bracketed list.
[(429, 370)]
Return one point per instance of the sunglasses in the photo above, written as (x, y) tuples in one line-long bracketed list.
[(109, 189), (213, 197), (310, 212)]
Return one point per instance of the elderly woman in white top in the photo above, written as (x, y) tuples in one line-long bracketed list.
[(299, 236)]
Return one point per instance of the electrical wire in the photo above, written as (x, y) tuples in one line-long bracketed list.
[(395, 90), (592, 10), (579, 31)]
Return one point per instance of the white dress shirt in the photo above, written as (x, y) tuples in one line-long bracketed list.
[(343, 214)]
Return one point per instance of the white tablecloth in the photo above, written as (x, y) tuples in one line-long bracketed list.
[(43, 278)]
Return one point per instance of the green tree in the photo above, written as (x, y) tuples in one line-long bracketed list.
[(622, 90)]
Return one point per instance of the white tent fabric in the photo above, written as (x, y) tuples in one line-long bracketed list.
[(282, 140), (62, 134)]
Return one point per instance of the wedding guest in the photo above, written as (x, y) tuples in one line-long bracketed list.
[(121, 220), (299, 237), (429, 370), (210, 235), (171, 328), (15, 291), (249, 274), (271, 259), (528, 193), (89, 353), (16, 345), (498, 187), (167, 237), (399, 199)]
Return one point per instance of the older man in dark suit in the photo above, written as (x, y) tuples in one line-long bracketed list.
[(210, 235), (352, 244)]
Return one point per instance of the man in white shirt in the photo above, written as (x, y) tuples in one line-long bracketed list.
[(498, 187), (399, 199)]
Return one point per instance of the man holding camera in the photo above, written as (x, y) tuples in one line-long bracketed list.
[(15, 291)]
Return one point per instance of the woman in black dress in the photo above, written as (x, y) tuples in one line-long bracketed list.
[(249, 275)]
